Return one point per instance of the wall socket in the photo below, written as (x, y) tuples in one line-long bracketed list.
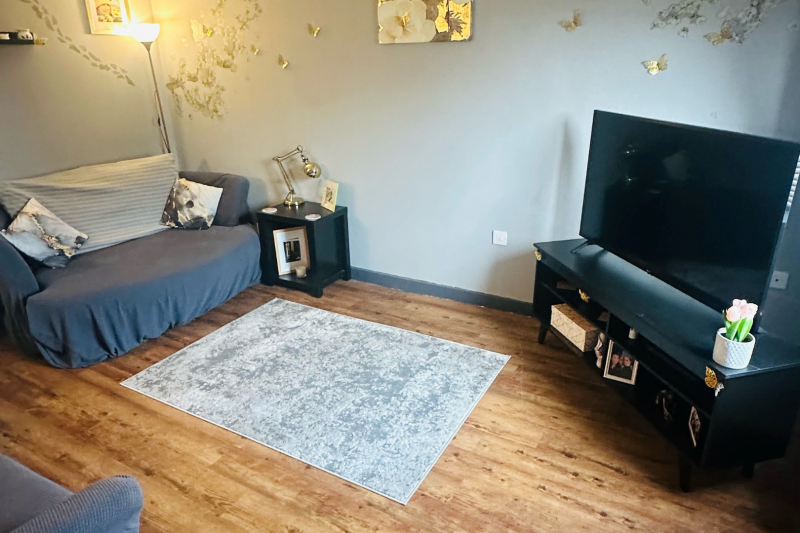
[(499, 238), (780, 280)]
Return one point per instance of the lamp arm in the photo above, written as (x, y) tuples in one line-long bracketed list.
[(280, 159)]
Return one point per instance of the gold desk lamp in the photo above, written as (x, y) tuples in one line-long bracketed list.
[(310, 169)]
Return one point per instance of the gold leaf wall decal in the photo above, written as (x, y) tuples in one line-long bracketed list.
[(736, 27), (52, 24), (282, 62), (574, 24), (313, 31), (220, 45), (654, 67)]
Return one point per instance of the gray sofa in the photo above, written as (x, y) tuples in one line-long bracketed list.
[(30, 503), (106, 302)]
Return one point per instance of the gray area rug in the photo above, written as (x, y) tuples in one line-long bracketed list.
[(372, 404)]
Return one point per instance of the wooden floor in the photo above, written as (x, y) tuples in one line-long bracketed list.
[(549, 448)]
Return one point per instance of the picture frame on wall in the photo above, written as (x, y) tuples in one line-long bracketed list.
[(107, 17), (620, 365), (291, 249)]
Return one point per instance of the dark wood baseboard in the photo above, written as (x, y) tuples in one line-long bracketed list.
[(442, 291)]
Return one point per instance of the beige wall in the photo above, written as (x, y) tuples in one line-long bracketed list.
[(434, 145), (58, 111)]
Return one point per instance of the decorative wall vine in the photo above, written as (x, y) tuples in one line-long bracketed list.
[(737, 27), (51, 22), (220, 47)]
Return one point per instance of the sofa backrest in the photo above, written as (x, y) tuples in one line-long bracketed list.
[(111, 203)]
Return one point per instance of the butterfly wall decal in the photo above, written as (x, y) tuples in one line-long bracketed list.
[(717, 38), (312, 30), (282, 62), (200, 31), (711, 379), (572, 25), (654, 67)]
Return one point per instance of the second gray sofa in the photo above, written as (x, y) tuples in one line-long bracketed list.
[(30, 503)]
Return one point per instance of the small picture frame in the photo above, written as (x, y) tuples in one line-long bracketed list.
[(601, 348), (620, 365), (695, 425), (107, 16), (291, 249), (330, 190)]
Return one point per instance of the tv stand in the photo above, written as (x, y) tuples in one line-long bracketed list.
[(580, 247), (747, 416)]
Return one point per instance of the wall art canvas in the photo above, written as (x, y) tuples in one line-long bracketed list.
[(424, 21), (107, 16)]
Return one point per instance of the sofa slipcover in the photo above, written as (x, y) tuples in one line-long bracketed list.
[(106, 302)]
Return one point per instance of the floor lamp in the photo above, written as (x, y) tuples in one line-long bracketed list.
[(146, 34)]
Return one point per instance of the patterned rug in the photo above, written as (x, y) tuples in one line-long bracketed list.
[(372, 404)]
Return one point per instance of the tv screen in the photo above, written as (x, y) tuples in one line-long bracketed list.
[(700, 209)]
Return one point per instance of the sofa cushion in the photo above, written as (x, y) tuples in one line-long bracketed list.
[(233, 208), (109, 301), (191, 205), (40, 235), (25, 494), (112, 203)]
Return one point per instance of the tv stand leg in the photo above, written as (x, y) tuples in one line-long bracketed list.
[(542, 333), (749, 470), (580, 247), (685, 473)]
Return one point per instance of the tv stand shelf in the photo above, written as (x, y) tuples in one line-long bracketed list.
[(748, 420)]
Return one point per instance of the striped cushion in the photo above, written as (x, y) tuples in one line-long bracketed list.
[(111, 203)]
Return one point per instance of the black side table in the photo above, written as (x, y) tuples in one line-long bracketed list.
[(328, 246)]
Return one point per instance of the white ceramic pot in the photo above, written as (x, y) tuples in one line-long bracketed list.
[(733, 354)]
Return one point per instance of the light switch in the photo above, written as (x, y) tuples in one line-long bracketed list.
[(499, 238)]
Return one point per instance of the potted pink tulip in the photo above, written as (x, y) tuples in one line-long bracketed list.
[(734, 344)]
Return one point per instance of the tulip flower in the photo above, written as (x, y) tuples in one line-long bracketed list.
[(739, 320)]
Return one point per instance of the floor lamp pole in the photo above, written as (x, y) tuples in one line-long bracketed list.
[(162, 125)]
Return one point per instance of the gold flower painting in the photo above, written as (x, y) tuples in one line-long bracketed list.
[(424, 21)]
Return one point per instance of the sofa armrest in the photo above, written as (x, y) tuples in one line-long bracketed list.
[(111, 505), (17, 283), (233, 209)]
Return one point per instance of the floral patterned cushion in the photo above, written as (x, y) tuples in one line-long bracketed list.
[(191, 205), (39, 234)]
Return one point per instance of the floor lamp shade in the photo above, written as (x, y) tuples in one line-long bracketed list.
[(144, 33)]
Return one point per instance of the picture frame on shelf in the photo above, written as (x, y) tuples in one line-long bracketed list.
[(695, 425), (107, 17), (330, 190), (291, 249), (620, 365)]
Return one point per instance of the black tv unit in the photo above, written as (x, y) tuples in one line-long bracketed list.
[(751, 418)]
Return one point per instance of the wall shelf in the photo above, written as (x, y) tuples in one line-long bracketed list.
[(13, 41)]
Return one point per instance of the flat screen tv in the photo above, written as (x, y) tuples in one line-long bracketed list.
[(698, 208)]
